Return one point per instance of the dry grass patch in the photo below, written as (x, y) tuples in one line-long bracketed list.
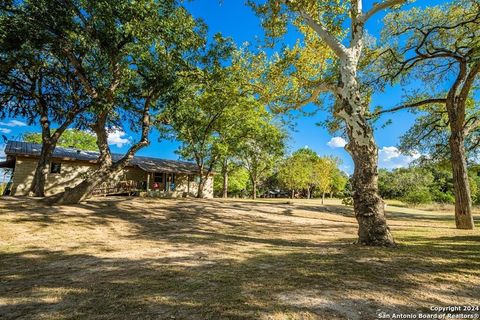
[(133, 258)]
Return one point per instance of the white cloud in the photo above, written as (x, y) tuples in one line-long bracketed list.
[(337, 142), (117, 137), (392, 158), (13, 123), (5, 130)]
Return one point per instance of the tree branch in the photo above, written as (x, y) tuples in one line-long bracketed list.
[(144, 135), (338, 48), (409, 106)]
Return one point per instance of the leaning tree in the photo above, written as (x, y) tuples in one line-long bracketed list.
[(328, 59), (436, 45)]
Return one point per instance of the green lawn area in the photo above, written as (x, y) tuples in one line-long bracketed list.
[(136, 258)]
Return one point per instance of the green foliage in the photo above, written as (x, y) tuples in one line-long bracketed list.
[(262, 148), (124, 54), (305, 169), (442, 197), (399, 182), (436, 178), (435, 45), (347, 201), (238, 180), (215, 113), (296, 172), (339, 182), (430, 132), (77, 139), (418, 196)]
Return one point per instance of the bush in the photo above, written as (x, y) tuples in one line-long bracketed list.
[(443, 197), (416, 197)]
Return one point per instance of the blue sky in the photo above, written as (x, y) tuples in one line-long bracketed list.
[(234, 19)]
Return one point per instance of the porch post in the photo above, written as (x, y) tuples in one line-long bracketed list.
[(148, 181)]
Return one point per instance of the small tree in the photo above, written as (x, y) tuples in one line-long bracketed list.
[(339, 182), (237, 181), (295, 173), (261, 150), (323, 175), (211, 116)]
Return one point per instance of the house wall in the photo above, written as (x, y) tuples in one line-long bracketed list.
[(182, 185), (73, 172)]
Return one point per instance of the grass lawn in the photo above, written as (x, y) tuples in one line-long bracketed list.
[(134, 258)]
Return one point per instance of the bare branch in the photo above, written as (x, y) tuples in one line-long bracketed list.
[(409, 106)]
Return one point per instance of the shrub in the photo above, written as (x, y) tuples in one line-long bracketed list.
[(443, 197), (416, 197)]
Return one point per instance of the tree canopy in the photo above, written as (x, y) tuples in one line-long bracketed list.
[(71, 138)]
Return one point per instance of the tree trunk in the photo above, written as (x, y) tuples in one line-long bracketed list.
[(293, 193), (200, 187), (225, 179), (461, 184), (49, 142), (323, 197), (84, 190), (107, 169), (308, 193), (463, 201), (254, 190), (368, 206), (37, 188)]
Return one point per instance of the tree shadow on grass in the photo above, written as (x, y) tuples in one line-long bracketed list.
[(290, 277), (326, 283)]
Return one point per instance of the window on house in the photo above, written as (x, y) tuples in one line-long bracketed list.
[(158, 177), (55, 167)]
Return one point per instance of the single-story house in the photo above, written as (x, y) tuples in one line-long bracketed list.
[(69, 167)]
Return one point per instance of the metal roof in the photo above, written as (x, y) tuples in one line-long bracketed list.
[(20, 148)]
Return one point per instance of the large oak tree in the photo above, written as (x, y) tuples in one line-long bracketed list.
[(126, 55)]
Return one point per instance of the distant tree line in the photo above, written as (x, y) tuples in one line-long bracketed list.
[(303, 174), (425, 183)]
